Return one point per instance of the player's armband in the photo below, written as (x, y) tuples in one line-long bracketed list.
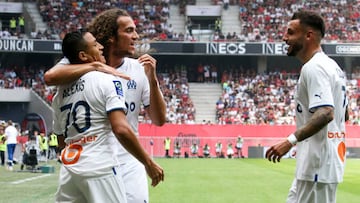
[(292, 139)]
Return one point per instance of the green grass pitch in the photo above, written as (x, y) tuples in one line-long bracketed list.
[(193, 181)]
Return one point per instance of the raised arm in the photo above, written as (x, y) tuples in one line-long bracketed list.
[(157, 108), (66, 73)]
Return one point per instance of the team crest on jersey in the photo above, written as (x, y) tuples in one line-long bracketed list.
[(118, 88), (131, 84)]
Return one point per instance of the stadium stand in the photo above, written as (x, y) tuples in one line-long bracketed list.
[(261, 21), (265, 20), (63, 16), (247, 98)]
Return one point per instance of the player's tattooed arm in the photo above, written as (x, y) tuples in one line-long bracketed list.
[(320, 118)]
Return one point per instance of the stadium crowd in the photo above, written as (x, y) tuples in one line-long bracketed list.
[(150, 17), (268, 99), (265, 20), (247, 97), (262, 20), (173, 84)]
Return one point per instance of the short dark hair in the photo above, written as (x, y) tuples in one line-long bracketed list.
[(72, 44), (311, 19)]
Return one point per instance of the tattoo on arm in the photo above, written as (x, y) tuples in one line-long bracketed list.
[(321, 117)]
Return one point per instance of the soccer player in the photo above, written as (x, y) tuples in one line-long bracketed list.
[(321, 105), (115, 29), (90, 113)]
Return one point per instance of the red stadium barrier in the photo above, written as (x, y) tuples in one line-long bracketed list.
[(263, 135)]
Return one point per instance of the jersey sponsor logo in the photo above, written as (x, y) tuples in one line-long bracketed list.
[(298, 108), (71, 154), (332, 135), (318, 95), (342, 151), (131, 84), (84, 140), (118, 88)]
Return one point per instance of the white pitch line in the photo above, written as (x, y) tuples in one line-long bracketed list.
[(29, 179)]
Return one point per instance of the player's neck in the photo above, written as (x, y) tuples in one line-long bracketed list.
[(310, 54), (115, 62)]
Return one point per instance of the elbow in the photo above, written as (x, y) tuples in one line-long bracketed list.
[(330, 114), (48, 78), (160, 121), (158, 117), (120, 131)]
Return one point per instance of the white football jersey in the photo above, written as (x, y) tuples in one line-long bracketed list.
[(137, 94), (80, 113), (321, 157), (138, 90)]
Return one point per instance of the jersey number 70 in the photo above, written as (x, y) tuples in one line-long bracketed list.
[(73, 116)]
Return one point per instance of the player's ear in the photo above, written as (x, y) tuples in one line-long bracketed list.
[(310, 33), (83, 56)]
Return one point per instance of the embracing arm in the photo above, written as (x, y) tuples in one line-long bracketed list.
[(64, 74)]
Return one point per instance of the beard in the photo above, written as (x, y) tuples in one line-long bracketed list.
[(294, 49)]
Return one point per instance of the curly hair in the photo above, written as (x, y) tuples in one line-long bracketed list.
[(104, 26)]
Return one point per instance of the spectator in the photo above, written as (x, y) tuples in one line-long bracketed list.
[(44, 146), (53, 146), (189, 26), (226, 4), (2, 145), (218, 25), (11, 134), (12, 25), (167, 143), (230, 151), (214, 74), (21, 22), (206, 151), (218, 149), (194, 148), (177, 150), (206, 73), (239, 145)]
